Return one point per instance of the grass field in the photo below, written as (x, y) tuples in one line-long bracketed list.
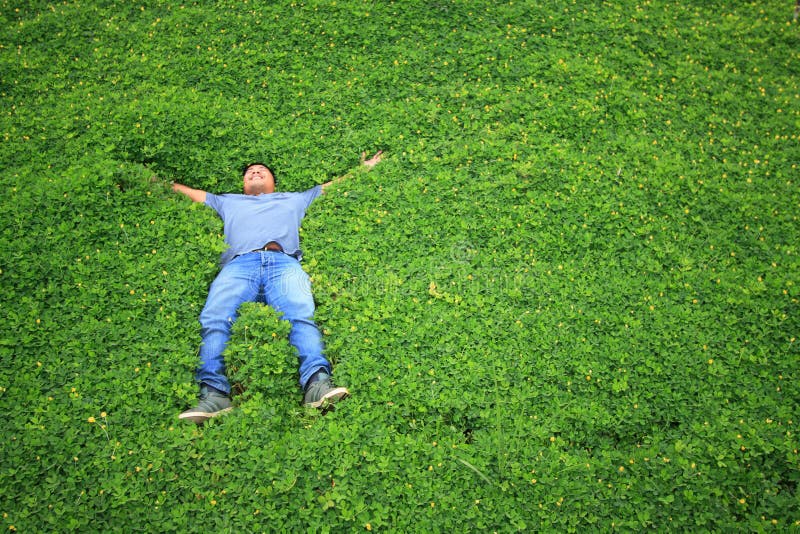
[(567, 299)]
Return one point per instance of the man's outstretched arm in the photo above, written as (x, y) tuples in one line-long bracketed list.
[(369, 163), (197, 195)]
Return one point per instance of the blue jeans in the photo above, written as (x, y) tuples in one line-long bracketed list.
[(273, 278)]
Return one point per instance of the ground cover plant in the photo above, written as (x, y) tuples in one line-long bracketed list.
[(567, 299)]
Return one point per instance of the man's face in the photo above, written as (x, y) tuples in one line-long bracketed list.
[(258, 180)]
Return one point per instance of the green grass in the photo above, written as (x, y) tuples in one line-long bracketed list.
[(567, 299)]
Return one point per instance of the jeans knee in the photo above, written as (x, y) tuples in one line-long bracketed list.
[(215, 324)]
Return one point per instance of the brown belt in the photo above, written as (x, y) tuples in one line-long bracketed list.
[(272, 245)]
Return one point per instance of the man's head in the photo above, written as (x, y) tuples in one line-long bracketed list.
[(257, 178)]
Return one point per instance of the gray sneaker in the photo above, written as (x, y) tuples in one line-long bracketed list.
[(210, 403), (322, 393)]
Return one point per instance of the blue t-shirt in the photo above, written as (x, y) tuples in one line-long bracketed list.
[(252, 221)]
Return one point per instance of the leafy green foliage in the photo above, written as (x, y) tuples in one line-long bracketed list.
[(568, 299)]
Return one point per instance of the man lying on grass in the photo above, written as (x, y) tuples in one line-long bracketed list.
[(261, 264)]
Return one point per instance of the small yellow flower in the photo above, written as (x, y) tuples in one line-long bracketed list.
[(91, 419)]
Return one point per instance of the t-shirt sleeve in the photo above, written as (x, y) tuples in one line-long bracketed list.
[(215, 202), (310, 195)]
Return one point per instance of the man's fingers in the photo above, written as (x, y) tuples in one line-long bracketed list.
[(371, 162)]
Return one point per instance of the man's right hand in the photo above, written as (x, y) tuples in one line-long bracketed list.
[(197, 195)]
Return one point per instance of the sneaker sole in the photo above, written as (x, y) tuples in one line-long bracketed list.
[(202, 417), (330, 397)]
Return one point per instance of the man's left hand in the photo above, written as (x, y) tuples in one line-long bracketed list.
[(374, 160)]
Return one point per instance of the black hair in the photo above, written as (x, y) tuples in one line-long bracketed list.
[(248, 165)]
